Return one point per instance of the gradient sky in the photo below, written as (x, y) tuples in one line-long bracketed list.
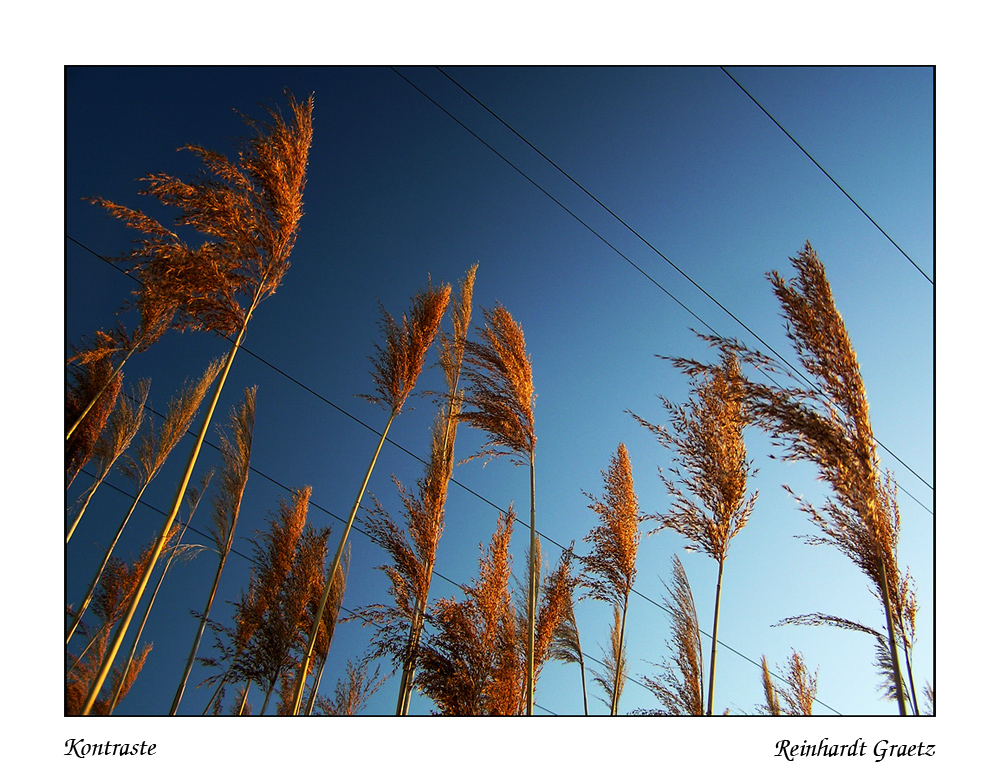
[(398, 190)]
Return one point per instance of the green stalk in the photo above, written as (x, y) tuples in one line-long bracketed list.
[(171, 516), (310, 647), (715, 638)]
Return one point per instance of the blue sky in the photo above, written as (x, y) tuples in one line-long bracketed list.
[(399, 190)]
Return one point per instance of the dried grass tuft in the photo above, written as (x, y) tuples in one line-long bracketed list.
[(471, 664), (95, 380), (501, 392), (249, 209), (399, 361), (609, 571), (710, 500)]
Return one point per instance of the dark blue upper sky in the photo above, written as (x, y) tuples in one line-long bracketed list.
[(398, 190)]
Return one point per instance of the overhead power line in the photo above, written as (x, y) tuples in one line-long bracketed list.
[(835, 182)]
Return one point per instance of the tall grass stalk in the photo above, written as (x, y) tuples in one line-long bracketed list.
[(235, 448), (710, 502), (609, 570), (500, 401), (397, 366), (554, 592), (883, 656), (255, 230), (434, 488), (413, 553), (566, 646), (117, 587), (680, 686), (614, 668), (329, 623), (272, 614), (472, 664)]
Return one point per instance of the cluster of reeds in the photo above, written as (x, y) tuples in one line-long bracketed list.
[(827, 423), (481, 652), (249, 210)]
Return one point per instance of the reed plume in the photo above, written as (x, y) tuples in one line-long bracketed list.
[(883, 656), (555, 592), (351, 694), (235, 448), (928, 697), (282, 595), (710, 502), (852, 538), (452, 354), (154, 318), (501, 392), (112, 442), (679, 686), (272, 614), (331, 616), (397, 366), (609, 571), (250, 211), (94, 386), (795, 699), (471, 665), (501, 396), (800, 692), (413, 552), (772, 701)]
